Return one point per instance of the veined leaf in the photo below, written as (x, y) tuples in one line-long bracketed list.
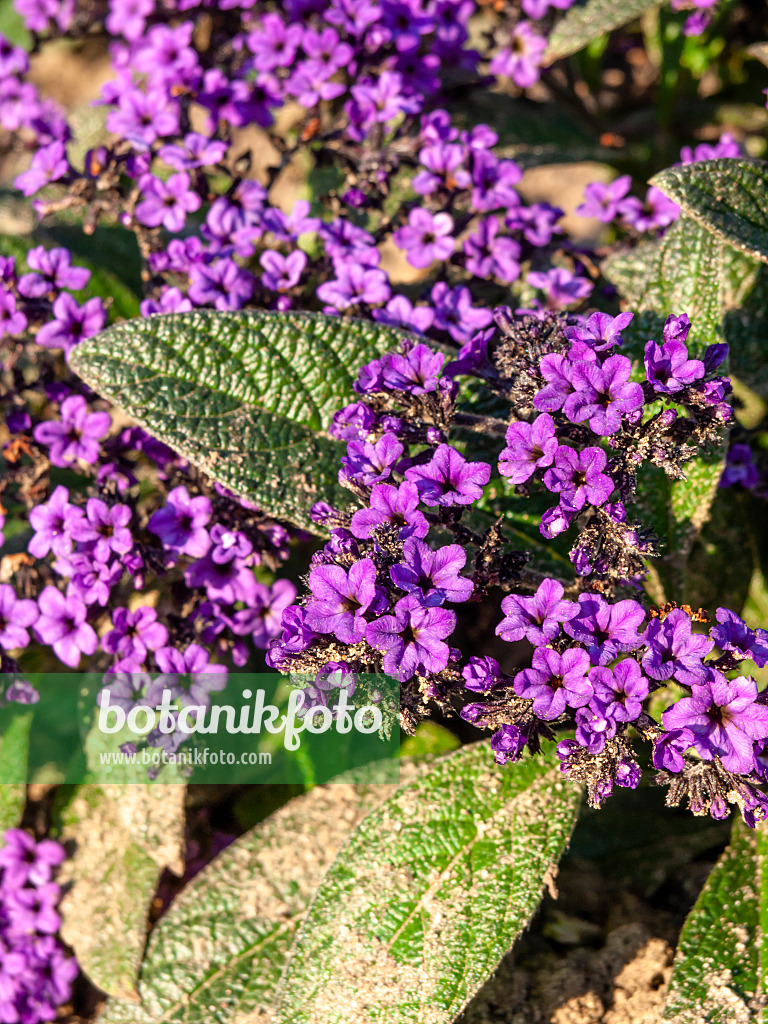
[(123, 839), (585, 22), (729, 197), (719, 974), (680, 273), (429, 893), (217, 954), (14, 751), (244, 396)]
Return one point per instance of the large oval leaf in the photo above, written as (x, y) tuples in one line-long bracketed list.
[(244, 396), (727, 196), (429, 893), (120, 839), (217, 955), (719, 975), (585, 22)]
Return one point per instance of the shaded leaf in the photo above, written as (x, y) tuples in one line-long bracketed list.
[(719, 972), (14, 751), (585, 22), (429, 893), (680, 273), (120, 840), (217, 954), (244, 396), (728, 196)]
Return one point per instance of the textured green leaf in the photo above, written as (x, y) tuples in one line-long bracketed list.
[(680, 273), (719, 974), (244, 396), (429, 893), (14, 751), (745, 299), (728, 197), (217, 954), (585, 22), (123, 837)]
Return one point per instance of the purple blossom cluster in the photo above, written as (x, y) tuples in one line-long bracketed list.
[(36, 974), (381, 589), (613, 202)]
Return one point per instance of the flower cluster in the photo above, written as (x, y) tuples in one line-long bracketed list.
[(380, 594), (36, 975)]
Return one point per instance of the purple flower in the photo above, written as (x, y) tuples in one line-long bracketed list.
[(443, 168), (395, 506), (62, 626), (412, 639), (658, 211), (181, 524), (104, 529), (433, 576), (53, 523), (274, 44), (25, 862), (54, 271), (426, 237), (355, 284), (494, 182), (481, 674), (603, 201), (353, 423), (48, 164), (530, 446), (32, 910), (489, 255), (724, 718), (605, 628), (508, 744), (733, 634), (282, 272), (455, 313), (578, 477), (204, 677), (561, 286), (535, 618), (669, 748), (16, 614), (674, 650), (134, 633), (166, 203), (399, 312), (144, 117), (600, 332), (448, 479), (223, 284), (196, 151), (225, 581), (12, 321), (603, 395), (593, 727), (264, 620), (367, 463), (521, 61), (668, 367), (417, 371), (620, 691), (342, 598), (71, 323), (76, 435), (554, 681)]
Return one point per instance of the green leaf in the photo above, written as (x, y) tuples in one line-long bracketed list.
[(123, 837), (585, 22), (244, 396), (429, 893), (217, 954), (719, 975), (729, 197), (680, 273), (14, 752)]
